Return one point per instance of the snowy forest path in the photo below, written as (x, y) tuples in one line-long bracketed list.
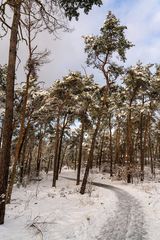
[(127, 223)]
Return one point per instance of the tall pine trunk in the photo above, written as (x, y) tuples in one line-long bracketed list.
[(20, 139), (110, 146), (80, 152), (60, 145), (141, 147), (90, 157), (39, 155), (8, 118), (129, 144), (56, 147), (117, 145)]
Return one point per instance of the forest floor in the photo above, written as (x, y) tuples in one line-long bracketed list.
[(110, 210)]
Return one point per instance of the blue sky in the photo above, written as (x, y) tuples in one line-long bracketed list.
[(142, 18)]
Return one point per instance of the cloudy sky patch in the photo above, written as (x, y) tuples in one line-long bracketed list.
[(142, 18)]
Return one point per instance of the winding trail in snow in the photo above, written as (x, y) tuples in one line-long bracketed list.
[(127, 223)]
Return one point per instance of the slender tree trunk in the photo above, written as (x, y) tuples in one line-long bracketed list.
[(8, 118), (29, 165), (75, 157), (129, 138), (90, 157), (48, 165), (27, 170), (19, 145), (129, 147), (80, 152), (110, 147), (117, 146), (101, 152), (39, 155), (22, 164), (49, 161), (1, 134), (151, 153), (60, 145), (141, 147), (22, 117), (56, 151), (62, 159), (146, 137)]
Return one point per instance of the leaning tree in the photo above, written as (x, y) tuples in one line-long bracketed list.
[(102, 52)]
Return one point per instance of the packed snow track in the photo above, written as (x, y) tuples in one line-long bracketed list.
[(127, 223)]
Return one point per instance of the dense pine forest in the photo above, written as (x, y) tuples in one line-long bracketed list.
[(75, 123)]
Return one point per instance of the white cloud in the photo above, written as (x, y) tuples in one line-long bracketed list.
[(142, 17)]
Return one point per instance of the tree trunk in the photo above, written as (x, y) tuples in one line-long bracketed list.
[(101, 152), (22, 164), (117, 147), (39, 155), (19, 144), (60, 145), (75, 152), (110, 147), (129, 147), (1, 134), (8, 118), (56, 151), (90, 157), (62, 159), (22, 118), (141, 147), (151, 153), (80, 152)]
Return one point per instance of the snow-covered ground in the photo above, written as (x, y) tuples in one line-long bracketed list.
[(42, 212)]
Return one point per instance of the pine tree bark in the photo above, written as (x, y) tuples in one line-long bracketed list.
[(101, 152), (60, 145), (8, 119), (56, 151), (39, 155), (129, 146), (141, 147), (20, 139), (117, 145), (110, 147), (80, 152), (90, 157), (22, 164)]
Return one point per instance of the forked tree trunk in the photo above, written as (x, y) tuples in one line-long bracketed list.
[(8, 119)]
